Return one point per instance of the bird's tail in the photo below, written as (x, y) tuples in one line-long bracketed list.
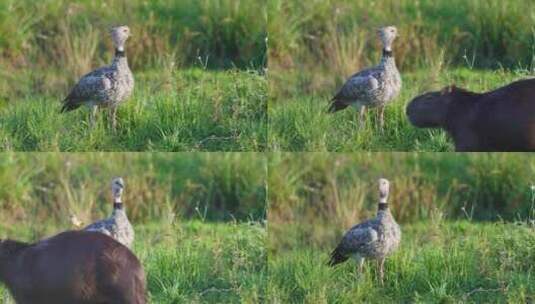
[(337, 257), (336, 105), (69, 106)]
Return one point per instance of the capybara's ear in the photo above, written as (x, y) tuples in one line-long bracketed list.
[(448, 89)]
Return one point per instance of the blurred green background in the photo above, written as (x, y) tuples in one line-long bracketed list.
[(44, 189), (45, 46), (223, 33), (314, 45), (315, 196)]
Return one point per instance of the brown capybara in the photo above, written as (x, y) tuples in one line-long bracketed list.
[(499, 120), (72, 267)]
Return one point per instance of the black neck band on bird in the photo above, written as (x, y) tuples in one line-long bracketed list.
[(119, 53), (383, 206), (387, 53), (118, 205)]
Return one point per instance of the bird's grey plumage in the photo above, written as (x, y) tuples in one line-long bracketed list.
[(375, 86), (107, 86), (117, 225), (373, 239), (372, 87)]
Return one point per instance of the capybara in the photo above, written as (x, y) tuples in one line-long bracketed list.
[(499, 120), (72, 267)]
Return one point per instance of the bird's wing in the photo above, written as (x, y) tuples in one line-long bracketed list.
[(88, 87), (105, 226), (357, 237), (355, 88)]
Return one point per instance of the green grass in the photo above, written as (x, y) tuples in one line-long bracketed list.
[(197, 262), (299, 121), (467, 221), (172, 110), (198, 68), (447, 262)]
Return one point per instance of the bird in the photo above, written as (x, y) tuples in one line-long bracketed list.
[(107, 86), (117, 225), (373, 239), (373, 87)]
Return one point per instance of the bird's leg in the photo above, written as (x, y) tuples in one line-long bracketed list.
[(381, 118), (92, 116), (360, 265), (362, 114), (112, 118), (381, 270)]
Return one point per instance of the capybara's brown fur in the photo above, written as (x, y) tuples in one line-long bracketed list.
[(499, 120), (72, 267)]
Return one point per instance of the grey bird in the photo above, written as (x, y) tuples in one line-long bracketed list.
[(107, 86), (373, 87), (117, 225), (373, 239)]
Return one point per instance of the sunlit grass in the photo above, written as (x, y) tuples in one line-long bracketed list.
[(449, 262), (190, 110)]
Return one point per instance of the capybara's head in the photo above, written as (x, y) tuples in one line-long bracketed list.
[(430, 109)]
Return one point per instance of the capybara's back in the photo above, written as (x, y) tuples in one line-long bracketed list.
[(79, 267)]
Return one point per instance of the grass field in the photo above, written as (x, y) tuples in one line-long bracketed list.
[(173, 110), (301, 122), (315, 46), (467, 220), (198, 67), (193, 261), (438, 262)]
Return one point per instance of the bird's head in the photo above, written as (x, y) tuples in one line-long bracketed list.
[(387, 35), (117, 187), (119, 35), (384, 186)]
